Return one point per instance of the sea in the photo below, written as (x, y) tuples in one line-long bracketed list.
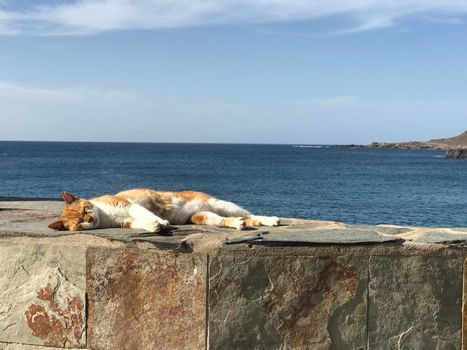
[(352, 185)]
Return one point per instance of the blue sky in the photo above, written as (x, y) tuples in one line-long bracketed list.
[(233, 71)]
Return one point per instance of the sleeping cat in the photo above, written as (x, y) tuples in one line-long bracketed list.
[(152, 210)]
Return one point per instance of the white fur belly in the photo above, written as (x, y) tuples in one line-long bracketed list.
[(109, 215), (182, 211)]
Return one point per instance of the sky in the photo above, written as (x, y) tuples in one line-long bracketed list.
[(233, 71)]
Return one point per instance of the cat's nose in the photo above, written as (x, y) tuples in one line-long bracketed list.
[(91, 219)]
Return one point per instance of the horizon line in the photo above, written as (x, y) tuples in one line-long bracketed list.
[(194, 143)]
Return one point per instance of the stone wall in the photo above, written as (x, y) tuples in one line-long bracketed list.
[(305, 285)]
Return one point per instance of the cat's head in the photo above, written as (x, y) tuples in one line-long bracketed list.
[(77, 215)]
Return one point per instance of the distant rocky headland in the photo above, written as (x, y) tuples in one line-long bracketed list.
[(456, 146), (456, 142)]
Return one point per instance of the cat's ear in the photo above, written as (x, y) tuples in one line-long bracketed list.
[(68, 197), (57, 225)]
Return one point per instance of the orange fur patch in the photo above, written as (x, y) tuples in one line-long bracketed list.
[(73, 215), (199, 219), (114, 200), (192, 195), (160, 203)]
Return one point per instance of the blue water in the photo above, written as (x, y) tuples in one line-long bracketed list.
[(351, 185)]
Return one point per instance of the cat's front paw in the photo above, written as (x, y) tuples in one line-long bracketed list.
[(152, 226), (163, 223)]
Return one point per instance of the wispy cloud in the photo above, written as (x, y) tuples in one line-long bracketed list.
[(93, 16)]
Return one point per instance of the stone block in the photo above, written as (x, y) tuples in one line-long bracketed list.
[(42, 296), (287, 302), (145, 299), (415, 302)]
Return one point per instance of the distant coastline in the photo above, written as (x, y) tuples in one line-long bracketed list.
[(452, 143)]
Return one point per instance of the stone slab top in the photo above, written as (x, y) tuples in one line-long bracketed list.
[(20, 220)]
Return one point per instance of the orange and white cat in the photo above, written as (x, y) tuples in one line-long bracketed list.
[(153, 210)]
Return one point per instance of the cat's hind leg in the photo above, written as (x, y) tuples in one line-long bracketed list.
[(209, 218), (228, 209)]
